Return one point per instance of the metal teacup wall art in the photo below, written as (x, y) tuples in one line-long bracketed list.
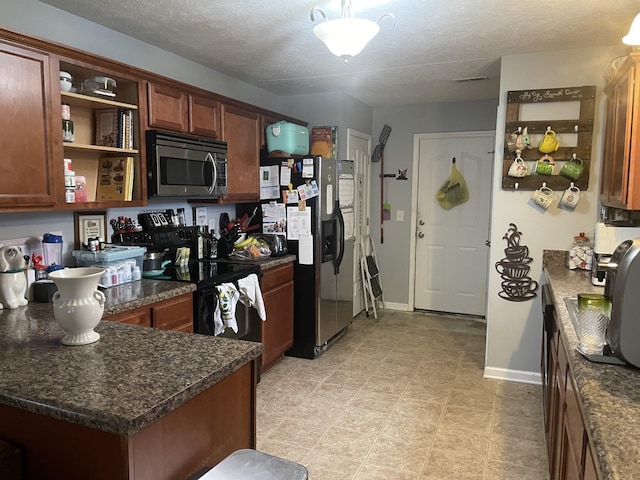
[(514, 268)]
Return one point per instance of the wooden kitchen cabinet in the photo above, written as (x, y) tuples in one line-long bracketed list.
[(570, 452), (241, 131), (265, 121), (620, 176), (172, 314), (140, 316), (277, 330), (32, 175), (30, 132), (175, 109), (84, 151), (180, 443)]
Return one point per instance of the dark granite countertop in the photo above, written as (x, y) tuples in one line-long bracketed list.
[(610, 394), (124, 382), (277, 261)]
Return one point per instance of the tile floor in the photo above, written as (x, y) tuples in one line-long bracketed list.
[(402, 398)]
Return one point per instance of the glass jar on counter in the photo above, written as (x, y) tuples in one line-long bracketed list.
[(581, 253)]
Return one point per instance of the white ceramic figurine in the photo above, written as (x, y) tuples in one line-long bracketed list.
[(13, 281)]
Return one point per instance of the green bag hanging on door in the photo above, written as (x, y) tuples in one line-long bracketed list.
[(454, 190)]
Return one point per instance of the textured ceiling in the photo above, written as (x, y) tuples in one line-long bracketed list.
[(270, 44)]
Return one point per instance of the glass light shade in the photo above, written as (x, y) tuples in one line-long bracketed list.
[(346, 37), (633, 37)]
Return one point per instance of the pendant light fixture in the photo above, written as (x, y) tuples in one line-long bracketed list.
[(346, 36), (633, 37)]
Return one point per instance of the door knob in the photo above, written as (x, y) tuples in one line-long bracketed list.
[(421, 222), (420, 235), (487, 243)]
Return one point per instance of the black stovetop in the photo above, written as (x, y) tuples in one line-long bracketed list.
[(208, 272)]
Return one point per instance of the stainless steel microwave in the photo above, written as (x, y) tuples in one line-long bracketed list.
[(183, 166)]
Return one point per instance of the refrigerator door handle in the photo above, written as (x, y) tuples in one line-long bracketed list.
[(340, 236)]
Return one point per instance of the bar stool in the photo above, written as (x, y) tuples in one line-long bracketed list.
[(247, 464)]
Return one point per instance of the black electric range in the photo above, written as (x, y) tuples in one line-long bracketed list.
[(206, 274)]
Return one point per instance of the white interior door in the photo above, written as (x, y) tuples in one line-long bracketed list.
[(451, 254), (359, 148)]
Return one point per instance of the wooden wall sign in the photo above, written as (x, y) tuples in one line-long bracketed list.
[(582, 126)]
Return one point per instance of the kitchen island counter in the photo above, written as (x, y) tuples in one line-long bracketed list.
[(610, 394), (130, 388)]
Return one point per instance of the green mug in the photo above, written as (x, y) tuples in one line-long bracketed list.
[(544, 167), (573, 168)]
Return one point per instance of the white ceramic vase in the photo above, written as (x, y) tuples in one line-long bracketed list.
[(78, 305)]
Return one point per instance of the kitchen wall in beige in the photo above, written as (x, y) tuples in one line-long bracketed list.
[(514, 328)]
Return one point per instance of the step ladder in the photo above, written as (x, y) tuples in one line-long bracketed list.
[(370, 276)]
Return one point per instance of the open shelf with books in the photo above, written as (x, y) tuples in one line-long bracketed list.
[(103, 107)]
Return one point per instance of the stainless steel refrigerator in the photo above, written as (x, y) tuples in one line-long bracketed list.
[(323, 270)]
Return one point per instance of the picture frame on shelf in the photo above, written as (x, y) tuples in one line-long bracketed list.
[(88, 225)]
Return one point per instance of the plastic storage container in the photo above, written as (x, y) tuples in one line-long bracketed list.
[(121, 264), (287, 137)]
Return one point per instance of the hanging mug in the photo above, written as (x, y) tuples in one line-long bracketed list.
[(573, 168), (543, 197), (518, 168), (544, 165), (511, 142), (549, 142), (570, 197)]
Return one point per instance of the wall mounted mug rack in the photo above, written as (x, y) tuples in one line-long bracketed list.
[(582, 127)]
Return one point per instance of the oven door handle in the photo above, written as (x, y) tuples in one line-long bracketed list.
[(209, 158)]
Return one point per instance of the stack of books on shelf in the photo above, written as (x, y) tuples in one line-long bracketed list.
[(114, 128), (115, 179)]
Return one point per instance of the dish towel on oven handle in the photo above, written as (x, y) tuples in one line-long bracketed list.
[(251, 295), (225, 314)]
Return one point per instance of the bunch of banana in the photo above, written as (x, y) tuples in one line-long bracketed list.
[(246, 242)]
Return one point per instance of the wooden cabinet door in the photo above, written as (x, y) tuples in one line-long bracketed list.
[(277, 330), (574, 434), (556, 420), (204, 116), (619, 144), (30, 133), (241, 131), (265, 121), (140, 316), (606, 174), (590, 470), (174, 314), (168, 108)]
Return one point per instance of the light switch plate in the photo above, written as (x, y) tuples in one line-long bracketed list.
[(400, 215)]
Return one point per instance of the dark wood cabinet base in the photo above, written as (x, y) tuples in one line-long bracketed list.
[(197, 434)]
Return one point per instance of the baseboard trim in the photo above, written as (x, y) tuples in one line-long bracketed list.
[(513, 375), (403, 307)]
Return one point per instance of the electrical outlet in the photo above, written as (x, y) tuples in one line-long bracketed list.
[(400, 215)]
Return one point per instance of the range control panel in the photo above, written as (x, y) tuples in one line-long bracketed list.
[(161, 238)]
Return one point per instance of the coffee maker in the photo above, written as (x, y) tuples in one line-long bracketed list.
[(622, 287), (607, 236)]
